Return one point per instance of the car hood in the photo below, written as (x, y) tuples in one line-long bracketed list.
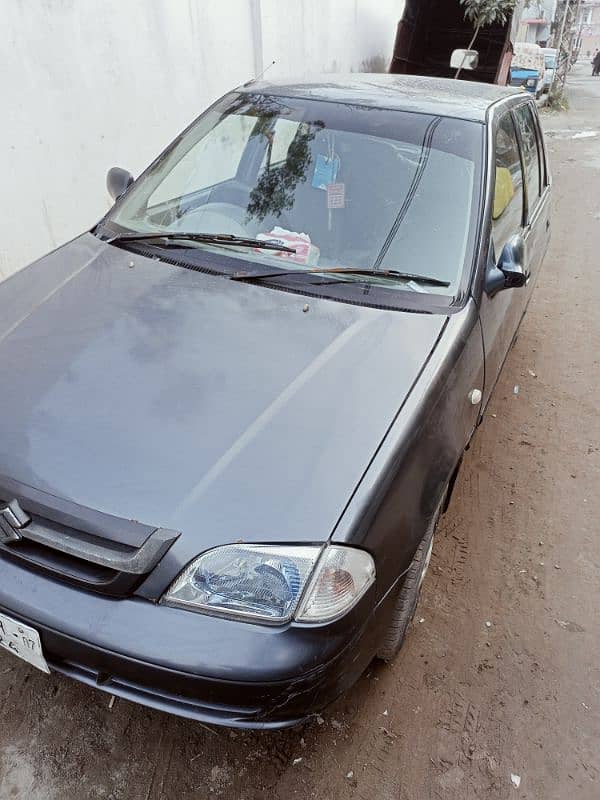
[(223, 410)]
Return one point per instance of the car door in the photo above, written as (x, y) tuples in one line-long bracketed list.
[(501, 312), (537, 190)]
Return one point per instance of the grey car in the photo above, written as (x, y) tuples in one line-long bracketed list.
[(233, 412)]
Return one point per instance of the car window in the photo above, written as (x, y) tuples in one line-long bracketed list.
[(212, 160), (508, 195), (531, 155)]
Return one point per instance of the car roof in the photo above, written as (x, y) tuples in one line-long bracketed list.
[(441, 96)]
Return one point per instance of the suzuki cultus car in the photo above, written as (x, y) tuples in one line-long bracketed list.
[(233, 411)]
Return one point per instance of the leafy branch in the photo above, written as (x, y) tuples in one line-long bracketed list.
[(482, 13)]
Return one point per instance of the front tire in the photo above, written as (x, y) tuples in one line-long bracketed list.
[(408, 594)]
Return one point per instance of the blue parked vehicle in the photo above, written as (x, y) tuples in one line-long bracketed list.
[(528, 68)]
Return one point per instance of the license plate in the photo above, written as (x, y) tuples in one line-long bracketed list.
[(23, 642)]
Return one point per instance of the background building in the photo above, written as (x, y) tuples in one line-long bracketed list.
[(536, 22), (87, 85), (589, 28)]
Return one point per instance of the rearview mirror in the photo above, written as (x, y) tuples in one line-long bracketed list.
[(118, 181), (464, 59), (510, 273)]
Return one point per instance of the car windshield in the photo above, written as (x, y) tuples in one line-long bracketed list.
[(343, 185)]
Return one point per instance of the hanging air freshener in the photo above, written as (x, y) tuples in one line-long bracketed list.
[(326, 170)]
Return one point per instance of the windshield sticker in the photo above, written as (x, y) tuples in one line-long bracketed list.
[(306, 252), (336, 195), (326, 171)]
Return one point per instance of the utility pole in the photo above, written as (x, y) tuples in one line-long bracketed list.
[(566, 17), (579, 21)]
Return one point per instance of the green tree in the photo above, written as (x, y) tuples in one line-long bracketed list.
[(482, 13)]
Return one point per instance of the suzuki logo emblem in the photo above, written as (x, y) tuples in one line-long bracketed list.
[(12, 519)]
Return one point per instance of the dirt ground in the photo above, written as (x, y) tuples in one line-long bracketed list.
[(501, 673)]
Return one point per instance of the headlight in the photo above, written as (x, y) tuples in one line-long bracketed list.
[(530, 81), (268, 583)]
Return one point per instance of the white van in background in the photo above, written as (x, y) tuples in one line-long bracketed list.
[(550, 57)]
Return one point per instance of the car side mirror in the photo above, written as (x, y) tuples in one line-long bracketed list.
[(510, 272), (464, 59), (118, 180)]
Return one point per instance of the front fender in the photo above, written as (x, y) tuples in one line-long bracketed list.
[(390, 509)]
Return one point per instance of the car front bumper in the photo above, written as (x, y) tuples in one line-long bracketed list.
[(211, 669)]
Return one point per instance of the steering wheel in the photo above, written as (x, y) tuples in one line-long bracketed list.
[(213, 218), (227, 218)]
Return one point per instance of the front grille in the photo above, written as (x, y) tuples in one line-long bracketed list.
[(53, 560), (91, 554)]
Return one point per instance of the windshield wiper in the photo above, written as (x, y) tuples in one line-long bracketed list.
[(207, 238), (376, 273), (241, 241)]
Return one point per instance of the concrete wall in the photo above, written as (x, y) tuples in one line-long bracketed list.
[(86, 84)]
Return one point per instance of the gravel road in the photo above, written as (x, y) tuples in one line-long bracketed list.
[(501, 672)]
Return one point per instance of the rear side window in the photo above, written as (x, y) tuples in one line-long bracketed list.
[(507, 214), (531, 155)]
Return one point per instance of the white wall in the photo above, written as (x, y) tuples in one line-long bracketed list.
[(86, 84)]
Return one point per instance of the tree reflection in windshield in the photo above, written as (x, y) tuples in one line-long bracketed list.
[(275, 188)]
